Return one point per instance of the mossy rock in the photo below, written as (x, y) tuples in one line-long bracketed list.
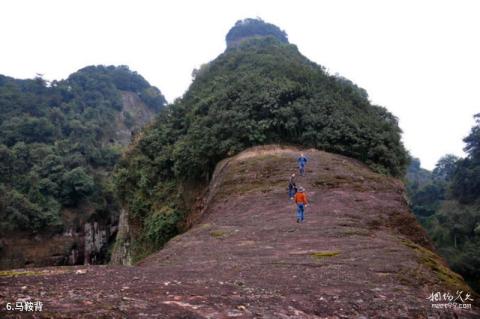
[(218, 233), (205, 226), (324, 254), (432, 261), (223, 232), (353, 231), (14, 273), (261, 173)]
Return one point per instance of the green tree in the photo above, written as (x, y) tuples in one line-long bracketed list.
[(6, 164), (76, 185), (466, 178), (445, 167), (253, 28), (473, 140)]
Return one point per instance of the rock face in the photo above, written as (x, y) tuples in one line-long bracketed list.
[(86, 243), (134, 115), (96, 241), (121, 251), (359, 253), (87, 238)]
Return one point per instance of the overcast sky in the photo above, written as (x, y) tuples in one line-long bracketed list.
[(420, 59)]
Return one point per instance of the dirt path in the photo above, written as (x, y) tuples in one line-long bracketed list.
[(357, 255)]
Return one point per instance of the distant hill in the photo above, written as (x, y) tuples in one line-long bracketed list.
[(59, 142), (446, 201), (259, 91)]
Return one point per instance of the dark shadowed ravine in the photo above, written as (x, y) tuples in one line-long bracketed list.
[(359, 254)]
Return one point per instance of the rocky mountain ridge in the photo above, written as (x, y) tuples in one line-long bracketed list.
[(359, 253)]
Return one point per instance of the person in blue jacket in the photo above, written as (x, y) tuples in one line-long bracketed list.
[(302, 161)]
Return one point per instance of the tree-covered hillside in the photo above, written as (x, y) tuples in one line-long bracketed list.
[(261, 91), (57, 140), (447, 203)]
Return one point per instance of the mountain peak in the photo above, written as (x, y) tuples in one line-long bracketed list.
[(253, 28)]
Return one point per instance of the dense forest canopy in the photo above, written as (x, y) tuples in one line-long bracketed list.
[(466, 178), (56, 140), (260, 91), (447, 203)]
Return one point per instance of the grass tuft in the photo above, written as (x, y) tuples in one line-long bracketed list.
[(432, 261), (324, 254), (217, 233), (14, 273)]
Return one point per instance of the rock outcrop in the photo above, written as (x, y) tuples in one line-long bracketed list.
[(121, 254), (133, 117), (359, 254)]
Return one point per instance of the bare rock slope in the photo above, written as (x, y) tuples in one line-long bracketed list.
[(359, 254)]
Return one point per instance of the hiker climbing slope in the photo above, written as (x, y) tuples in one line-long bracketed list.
[(292, 187), (302, 161), (301, 201)]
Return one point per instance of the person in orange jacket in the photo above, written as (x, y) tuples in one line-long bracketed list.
[(302, 202)]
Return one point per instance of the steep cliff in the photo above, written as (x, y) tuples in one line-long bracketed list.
[(359, 253)]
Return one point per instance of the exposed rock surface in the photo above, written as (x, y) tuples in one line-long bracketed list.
[(134, 115), (121, 251), (359, 254)]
